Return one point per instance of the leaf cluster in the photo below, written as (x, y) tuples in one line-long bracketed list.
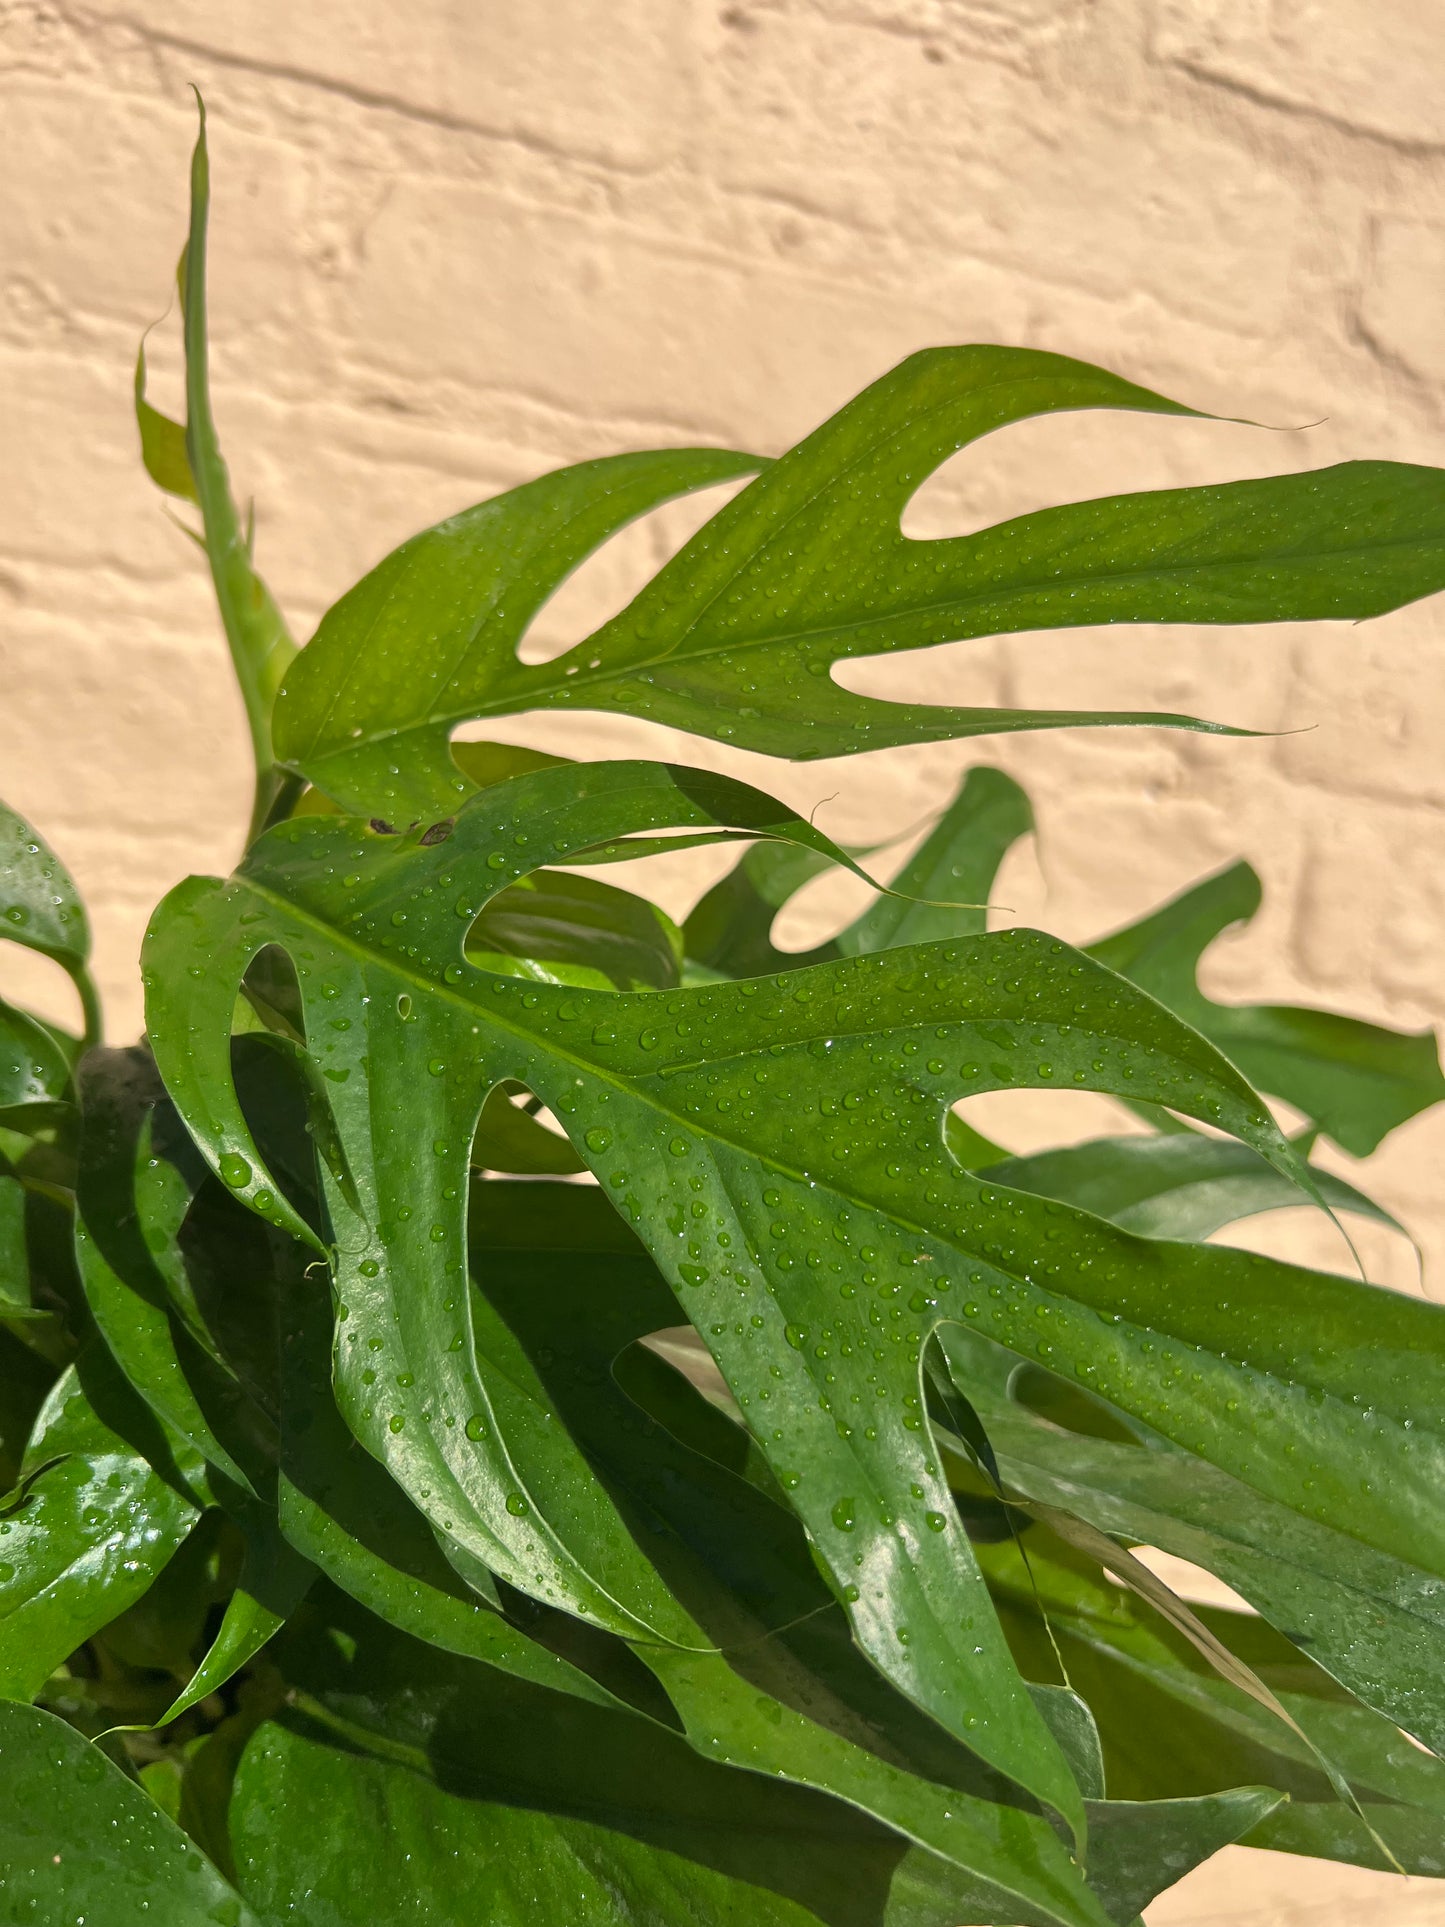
[(514, 1408)]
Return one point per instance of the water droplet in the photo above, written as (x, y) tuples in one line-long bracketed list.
[(235, 1171), (845, 1514)]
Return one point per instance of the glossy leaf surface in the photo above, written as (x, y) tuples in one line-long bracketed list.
[(1170, 1723), (785, 1694), (478, 1765), (421, 643), (1376, 1623), (621, 1082), (97, 1513), (737, 636), (135, 1191), (82, 1842)]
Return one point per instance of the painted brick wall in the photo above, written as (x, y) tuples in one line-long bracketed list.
[(459, 241)]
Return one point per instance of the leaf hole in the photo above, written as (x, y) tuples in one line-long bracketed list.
[(607, 581), (1050, 461)]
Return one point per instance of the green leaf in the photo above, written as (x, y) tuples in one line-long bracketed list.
[(339, 1509), (736, 637), (858, 1179), (937, 893), (91, 1523), (39, 904), (1185, 1186), (943, 888), (420, 643), (786, 1694), (448, 1859), (1141, 1847), (1357, 1081), (508, 1138), (34, 1069), (561, 929), (162, 441), (1169, 1723), (25, 1378), (83, 1842), (273, 1581), (132, 1200), (612, 1784), (15, 1301), (1375, 1622)]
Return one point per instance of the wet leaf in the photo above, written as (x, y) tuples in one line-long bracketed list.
[(81, 1841), (736, 638)]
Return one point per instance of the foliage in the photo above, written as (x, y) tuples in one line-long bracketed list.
[(560, 1410)]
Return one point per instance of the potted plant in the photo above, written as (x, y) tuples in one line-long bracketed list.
[(514, 1408)]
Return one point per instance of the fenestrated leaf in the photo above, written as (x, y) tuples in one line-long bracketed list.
[(787, 1695), (1186, 1186), (83, 1842), (92, 1521), (479, 1496), (1356, 1081), (939, 890), (1375, 1622), (422, 642), (671, 1098), (737, 636), (1170, 1724), (339, 1508)]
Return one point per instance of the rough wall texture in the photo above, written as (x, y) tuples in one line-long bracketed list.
[(460, 241)]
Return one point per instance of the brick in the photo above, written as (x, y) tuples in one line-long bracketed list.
[(114, 166), (1368, 702), (966, 158), (454, 281), (1368, 64), (1403, 295), (553, 71)]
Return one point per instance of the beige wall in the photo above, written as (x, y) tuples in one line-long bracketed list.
[(460, 241)]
